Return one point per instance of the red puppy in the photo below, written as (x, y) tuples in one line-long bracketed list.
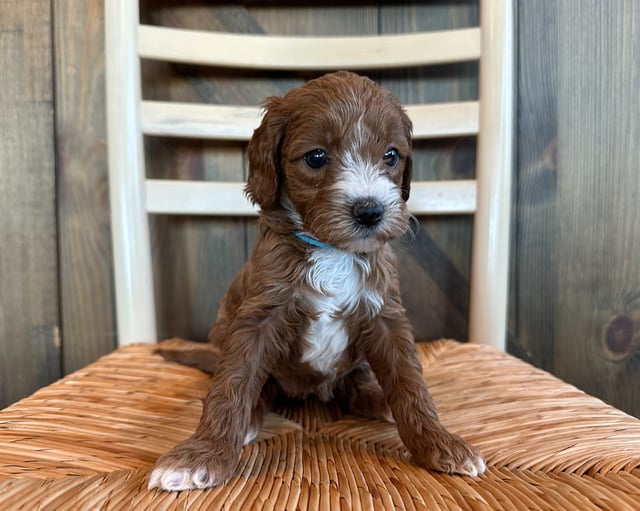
[(317, 308)]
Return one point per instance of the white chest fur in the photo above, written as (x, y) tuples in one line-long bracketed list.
[(340, 281)]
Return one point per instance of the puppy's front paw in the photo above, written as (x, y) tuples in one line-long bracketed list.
[(451, 454), (194, 464)]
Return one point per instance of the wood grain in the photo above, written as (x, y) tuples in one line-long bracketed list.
[(86, 285), (29, 321), (534, 244), (575, 293), (598, 191)]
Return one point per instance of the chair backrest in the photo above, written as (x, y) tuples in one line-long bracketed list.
[(133, 196)]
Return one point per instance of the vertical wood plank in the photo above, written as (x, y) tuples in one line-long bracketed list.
[(534, 237), (315, 19), (597, 345), (29, 320), (86, 286)]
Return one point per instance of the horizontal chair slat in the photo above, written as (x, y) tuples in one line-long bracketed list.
[(166, 196), (443, 197), (194, 120), (307, 53), (222, 122), (437, 120), (228, 198)]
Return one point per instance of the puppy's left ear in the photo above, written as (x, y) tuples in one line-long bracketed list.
[(263, 152), (406, 178)]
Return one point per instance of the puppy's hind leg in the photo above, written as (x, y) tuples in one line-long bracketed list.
[(268, 396), (205, 359), (359, 393)]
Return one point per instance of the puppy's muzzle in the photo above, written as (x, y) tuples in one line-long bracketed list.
[(367, 212)]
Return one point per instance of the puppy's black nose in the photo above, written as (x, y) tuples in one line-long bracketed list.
[(367, 212)]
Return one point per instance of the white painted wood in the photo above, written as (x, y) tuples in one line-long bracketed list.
[(252, 51), (227, 122), (220, 122), (198, 198), (438, 120), (490, 259), (131, 251), (442, 197), (228, 199)]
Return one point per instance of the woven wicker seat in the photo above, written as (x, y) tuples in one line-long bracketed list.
[(88, 441)]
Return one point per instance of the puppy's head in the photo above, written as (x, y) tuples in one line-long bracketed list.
[(336, 154)]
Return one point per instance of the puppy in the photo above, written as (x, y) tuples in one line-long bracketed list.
[(317, 308)]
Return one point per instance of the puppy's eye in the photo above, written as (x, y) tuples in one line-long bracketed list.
[(316, 159), (391, 157)]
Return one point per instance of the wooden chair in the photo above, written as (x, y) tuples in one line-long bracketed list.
[(133, 196), (88, 440)]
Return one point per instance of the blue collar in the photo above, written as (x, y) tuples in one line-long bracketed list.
[(311, 241)]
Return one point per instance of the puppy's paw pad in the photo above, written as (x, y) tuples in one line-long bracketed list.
[(474, 466), (181, 479), (201, 478), (452, 455), (171, 479), (465, 461), (194, 464)]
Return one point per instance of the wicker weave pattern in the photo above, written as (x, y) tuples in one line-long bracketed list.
[(87, 442)]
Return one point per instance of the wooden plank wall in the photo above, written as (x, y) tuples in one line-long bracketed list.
[(29, 308), (574, 305), (598, 216), (85, 269), (576, 253)]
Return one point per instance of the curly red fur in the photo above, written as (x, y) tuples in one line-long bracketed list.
[(300, 319)]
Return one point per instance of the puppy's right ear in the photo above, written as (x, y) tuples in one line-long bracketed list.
[(263, 152)]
